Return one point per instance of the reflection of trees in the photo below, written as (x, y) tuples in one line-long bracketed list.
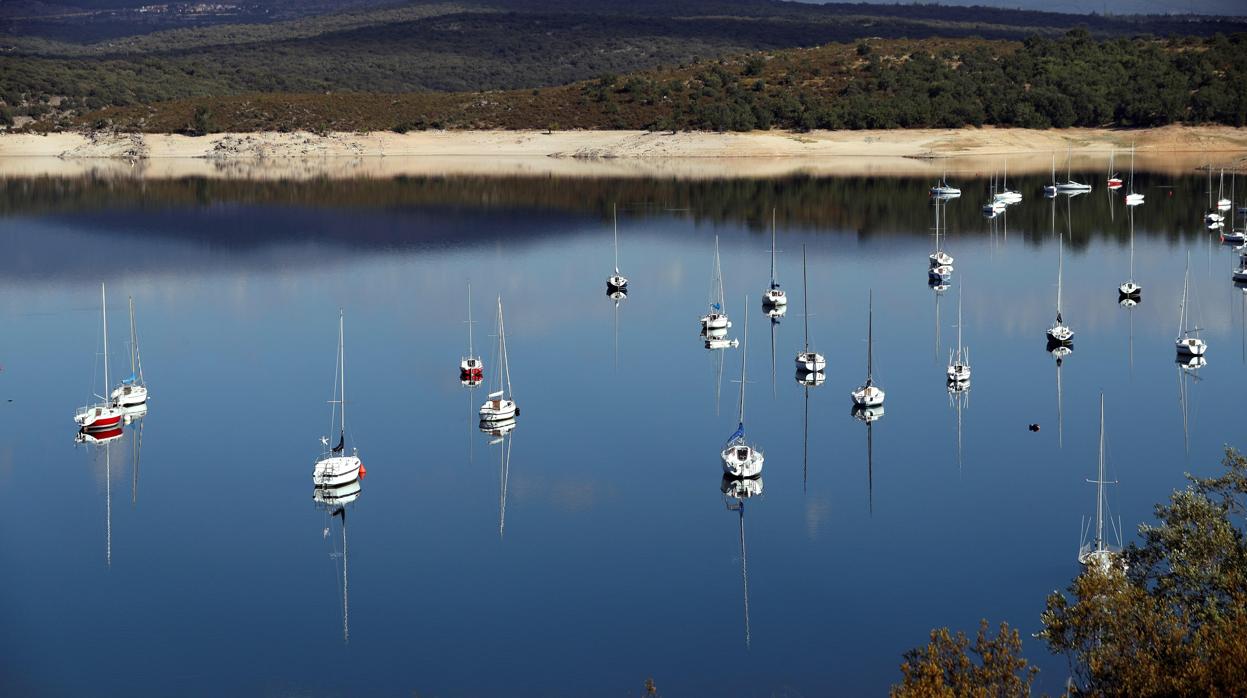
[(869, 207)]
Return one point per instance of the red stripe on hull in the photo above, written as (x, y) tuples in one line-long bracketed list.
[(104, 423)]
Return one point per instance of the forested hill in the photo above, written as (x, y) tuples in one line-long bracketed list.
[(57, 60), (1039, 83)]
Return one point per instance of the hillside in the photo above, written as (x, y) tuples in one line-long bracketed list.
[(460, 45), (940, 83)]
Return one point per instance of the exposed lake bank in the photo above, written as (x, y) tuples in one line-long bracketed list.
[(1172, 149)]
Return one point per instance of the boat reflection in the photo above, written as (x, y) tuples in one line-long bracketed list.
[(1188, 372), (504, 476), (104, 439), (959, 399), (498, 429), (334, 500), (618, 296), (736, 491), (868, 416)]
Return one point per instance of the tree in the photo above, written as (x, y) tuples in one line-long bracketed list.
[(1172, 620), (944, 668)]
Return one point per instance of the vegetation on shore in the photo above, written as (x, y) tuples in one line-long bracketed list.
[(1074, 80), (1170, 622)]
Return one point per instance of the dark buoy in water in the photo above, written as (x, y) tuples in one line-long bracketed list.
[(1033, 427)]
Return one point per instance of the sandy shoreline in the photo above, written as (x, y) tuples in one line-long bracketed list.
[(299, 155)]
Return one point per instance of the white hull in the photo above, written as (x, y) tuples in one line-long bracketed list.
[(741, 461), (945, 192), (774, 297), (1214, 218), (811, 362), (1223, 204), (470, 365), (1129, 288), (129, 395), (617, 282), (1073, 188), (721, 343), (1191, 346), (1134, 199), (333, 471), (940, 259), (1240, 274), (715, 321), (1009, 197), (1060, 333), (498, 410), (1234, 236), (868, 396), (959, 373)]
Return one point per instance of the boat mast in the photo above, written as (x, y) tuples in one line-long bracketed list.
[(1186, 279), (502, 341), (959, 322), (744, 353), (718, 278), (470, 354), (1060, 272), (1099, 491), (615, 219), (104, 312), (870, 338), (133, 338), (773, 284), (1132, 226), (342, 373), (805, 298)]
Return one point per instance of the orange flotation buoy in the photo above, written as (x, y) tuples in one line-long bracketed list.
[(362, 471)]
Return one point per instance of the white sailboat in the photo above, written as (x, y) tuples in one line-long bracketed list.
[(500, 406), (741, 459), (1235, 235), (1188, 342), (1130, 290), (716, 317), (1213, 218), (617, 281), (959, 361), (869, 395), (334, 467), (1005, 194), (471, 368), (1059, 332), (1098, 554), (774, 297), (133, 389), (1133, 198), (944, 190), (103, 415), (808, 361), (1069, 186), (939, 258)]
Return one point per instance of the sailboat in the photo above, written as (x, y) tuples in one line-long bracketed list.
[(471, 368), (959, 361), (1050, 190), (133, 389), (1005, 194), (1114, 179), (944, 190), (1059, 333), (616, 282), (740, 459), (808, 361), (499, 407), (1188, 342), (1069, 186), (1130, 291), (1235, 235), (738, 491), (106, 414), (1213, 218), (1098, 554), (1133, 198), (335, 500), (869, 395), (939, 259), (334, 467), (1223, 204), (774, 297), (716, 317)]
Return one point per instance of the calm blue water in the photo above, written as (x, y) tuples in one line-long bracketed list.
[(619, 560)]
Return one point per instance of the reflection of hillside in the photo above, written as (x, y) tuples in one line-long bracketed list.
[(455, 210)]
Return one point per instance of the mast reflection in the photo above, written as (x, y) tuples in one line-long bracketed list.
[(334, 500), (736, 491)]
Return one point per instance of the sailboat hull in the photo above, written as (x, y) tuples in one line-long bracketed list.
[(742, 461), (1190, 346), (498, 410), (774, 297), (333, 471), (868, 396), (129, 395), (715, 321), (99, 417), (811, 362)]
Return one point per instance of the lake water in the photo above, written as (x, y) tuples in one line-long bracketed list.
[(202, 566)]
